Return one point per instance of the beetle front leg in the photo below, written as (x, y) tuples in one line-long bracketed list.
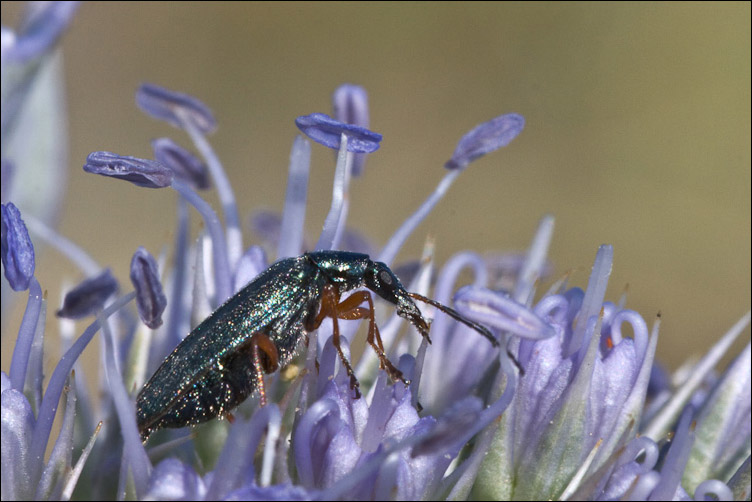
[(349, 309)]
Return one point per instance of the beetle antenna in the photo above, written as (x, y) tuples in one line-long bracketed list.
[(457, 316), (467, 322)]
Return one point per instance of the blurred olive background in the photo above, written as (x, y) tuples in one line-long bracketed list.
[(637, 133)]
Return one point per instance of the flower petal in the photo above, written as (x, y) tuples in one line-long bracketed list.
[(140, 172), (175, 107), (323, 129), (17, 248), (173, 480), (88, 297), (291, 234), (723, 430), (350, 104), (183, 163), (43, 26), (485, 138), (150, 298), (498, 310), (17, 427), (251, 264)]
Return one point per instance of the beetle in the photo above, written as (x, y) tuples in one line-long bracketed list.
[(223, 360)]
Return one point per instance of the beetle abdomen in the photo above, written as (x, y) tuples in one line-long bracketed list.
[(211, 371)]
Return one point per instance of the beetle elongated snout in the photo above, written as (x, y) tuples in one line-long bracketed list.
[(384, 283)]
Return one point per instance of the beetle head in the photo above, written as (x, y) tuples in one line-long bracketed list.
[(384, 283)]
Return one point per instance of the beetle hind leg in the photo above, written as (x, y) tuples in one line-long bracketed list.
[(265, 360)]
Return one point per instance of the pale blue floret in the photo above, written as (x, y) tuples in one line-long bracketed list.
[(16, 248)]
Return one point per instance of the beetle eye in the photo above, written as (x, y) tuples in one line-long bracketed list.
[(385, 277)]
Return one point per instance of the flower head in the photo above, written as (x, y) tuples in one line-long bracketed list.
[(553, 402)]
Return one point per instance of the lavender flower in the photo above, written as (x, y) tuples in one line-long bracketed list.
[(16, 247), (183, 163), (579, 421), (23, 52), (325, 130), (140, 172), (89, 297), (485, 138), (350, 105), (150, 299), (195, 118), (175, 107), (40, 32), (32, 86)]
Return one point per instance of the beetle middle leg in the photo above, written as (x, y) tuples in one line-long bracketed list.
[(351, 310)]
